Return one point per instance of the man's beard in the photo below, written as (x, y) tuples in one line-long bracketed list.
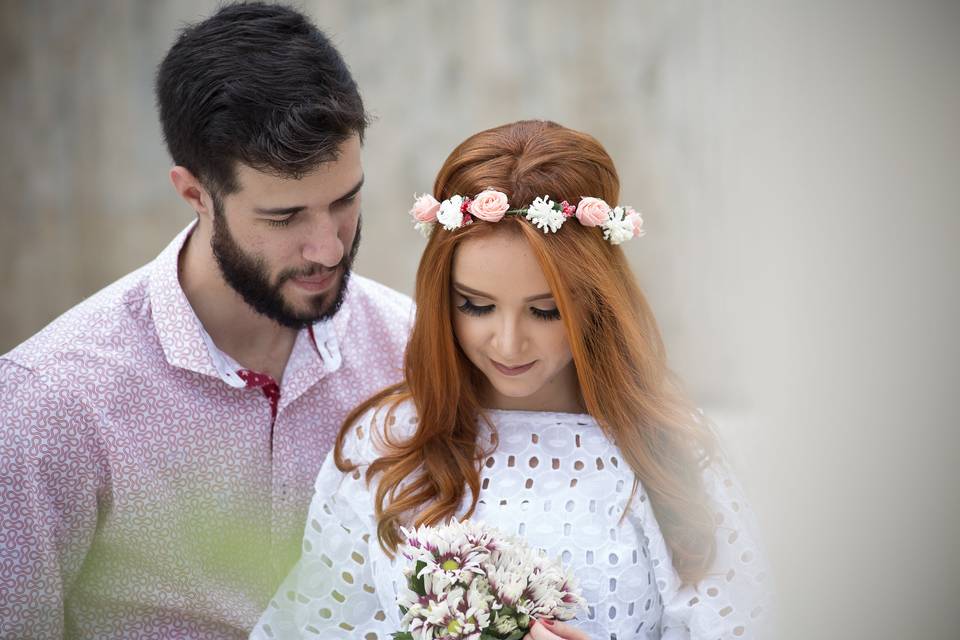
[(249, 277)]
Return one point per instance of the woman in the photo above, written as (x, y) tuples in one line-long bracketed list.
[(536, 399)]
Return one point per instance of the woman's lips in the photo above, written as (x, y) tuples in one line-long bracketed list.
[(318, 283), (513, 371)]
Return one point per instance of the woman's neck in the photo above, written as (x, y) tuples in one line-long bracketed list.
[(559, 395)]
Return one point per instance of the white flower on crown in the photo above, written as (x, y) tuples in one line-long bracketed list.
[(619, 228), (541, 213), (425, 228), (451, 213)]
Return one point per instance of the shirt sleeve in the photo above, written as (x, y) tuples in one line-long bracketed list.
[(732, 601), (330, 593), (53, 468)]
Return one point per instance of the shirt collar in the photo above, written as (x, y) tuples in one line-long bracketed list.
[(187, 345)]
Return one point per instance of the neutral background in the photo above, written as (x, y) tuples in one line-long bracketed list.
[(798, 167)]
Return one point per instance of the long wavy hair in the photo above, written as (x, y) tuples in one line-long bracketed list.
[(617, 351)]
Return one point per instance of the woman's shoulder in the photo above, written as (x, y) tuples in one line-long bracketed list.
[(379, 429)]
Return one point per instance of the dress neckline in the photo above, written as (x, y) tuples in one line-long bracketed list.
[(540, 415)]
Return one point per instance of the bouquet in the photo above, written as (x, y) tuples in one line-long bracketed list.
[(471, 582)]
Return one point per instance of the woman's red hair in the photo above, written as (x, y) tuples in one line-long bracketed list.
[(617, 350)]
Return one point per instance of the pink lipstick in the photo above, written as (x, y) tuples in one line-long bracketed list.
[(513, 371)]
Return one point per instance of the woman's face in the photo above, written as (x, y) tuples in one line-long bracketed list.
[(507, 323)]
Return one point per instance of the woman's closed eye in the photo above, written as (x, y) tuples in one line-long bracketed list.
[(472, 309), (545, 314)]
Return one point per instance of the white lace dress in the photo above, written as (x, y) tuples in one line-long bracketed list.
[(556, 480)]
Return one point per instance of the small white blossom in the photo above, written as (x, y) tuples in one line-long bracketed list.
[(618, 228), (505, 624), (450, 214), (425, 228), (542, 214)]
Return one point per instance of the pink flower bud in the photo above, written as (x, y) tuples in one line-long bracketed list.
[(592, 212)]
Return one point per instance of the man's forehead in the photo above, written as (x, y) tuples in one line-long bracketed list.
[(328, 182)]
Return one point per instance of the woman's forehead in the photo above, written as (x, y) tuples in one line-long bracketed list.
[(500, 264)]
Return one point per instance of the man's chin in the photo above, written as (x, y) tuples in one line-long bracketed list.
[(304, 307), (307, 310), (312, 307)]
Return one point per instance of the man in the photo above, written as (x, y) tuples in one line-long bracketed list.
[(160, 440)]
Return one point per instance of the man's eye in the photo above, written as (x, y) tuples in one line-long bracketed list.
[(474, 310), (279, 222)]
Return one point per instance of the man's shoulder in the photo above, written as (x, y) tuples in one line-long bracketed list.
[(382, 309), (371, 293), (100, 325)]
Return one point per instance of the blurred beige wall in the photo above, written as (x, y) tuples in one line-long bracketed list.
[(798, 166)]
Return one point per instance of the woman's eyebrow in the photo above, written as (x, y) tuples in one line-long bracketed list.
[(481, 294), (466, 289)]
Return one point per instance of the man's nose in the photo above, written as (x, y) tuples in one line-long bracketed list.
[(321, 242)]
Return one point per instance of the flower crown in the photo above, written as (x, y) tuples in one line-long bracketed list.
[(619, 224)]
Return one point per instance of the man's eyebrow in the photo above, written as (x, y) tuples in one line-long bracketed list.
[(351, 193), (286, 211)]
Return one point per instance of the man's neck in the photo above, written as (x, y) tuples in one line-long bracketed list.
[(255, 341)]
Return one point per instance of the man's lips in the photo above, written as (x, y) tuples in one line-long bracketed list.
[(512, 371), (316, 283)]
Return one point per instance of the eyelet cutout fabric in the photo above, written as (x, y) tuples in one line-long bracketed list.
[(557, 481)]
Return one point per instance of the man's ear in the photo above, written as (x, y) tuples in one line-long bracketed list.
[(192, 191)]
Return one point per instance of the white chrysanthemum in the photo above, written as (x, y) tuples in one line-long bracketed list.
[(480, 601), (456, 551), (508, 575), (544, 216), (450, 214), (618, 228)]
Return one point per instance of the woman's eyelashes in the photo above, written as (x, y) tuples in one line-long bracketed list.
[(546, 314), (472, 309)]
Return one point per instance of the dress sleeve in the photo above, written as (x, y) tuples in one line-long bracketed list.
[(733, 600), (330, 593), (53, 470)]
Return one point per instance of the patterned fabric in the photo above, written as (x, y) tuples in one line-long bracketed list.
[(556, 480), (265, 383), (143, 493)]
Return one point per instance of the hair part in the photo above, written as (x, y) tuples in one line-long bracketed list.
[(618, 353), (256, 84)]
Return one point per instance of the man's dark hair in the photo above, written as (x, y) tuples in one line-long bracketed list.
[(258, 84)]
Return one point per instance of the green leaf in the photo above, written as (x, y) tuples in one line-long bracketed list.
[(402, 635), (417, 579), (507, 612), (516, 635)]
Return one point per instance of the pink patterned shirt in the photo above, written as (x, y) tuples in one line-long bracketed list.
[(146, 489)]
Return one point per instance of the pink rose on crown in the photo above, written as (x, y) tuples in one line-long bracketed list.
[(489, 205), (636, 219), (425, 208), (592, 212)]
